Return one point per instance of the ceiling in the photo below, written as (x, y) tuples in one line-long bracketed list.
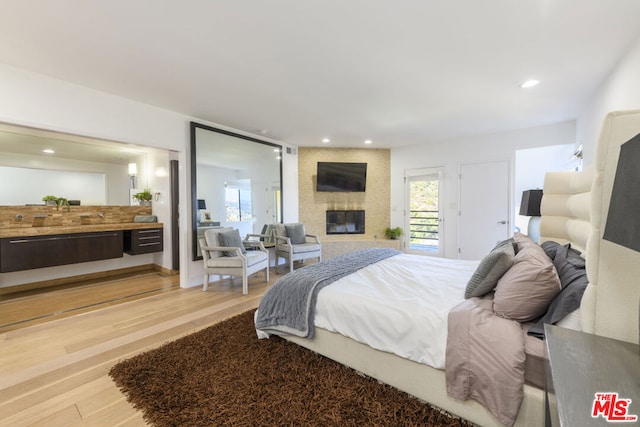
[(31, 143), (397, 72)]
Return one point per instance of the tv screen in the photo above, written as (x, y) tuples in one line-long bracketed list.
[(341, 177)]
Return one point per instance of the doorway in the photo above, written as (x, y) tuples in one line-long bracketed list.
[(484, 207), (423, 213)]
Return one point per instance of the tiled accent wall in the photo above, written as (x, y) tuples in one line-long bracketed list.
[(375, 201), (49, 216)]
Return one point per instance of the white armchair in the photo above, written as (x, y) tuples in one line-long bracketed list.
[(223, 253), (293, 243)]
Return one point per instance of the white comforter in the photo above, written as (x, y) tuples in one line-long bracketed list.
[(398, 305)]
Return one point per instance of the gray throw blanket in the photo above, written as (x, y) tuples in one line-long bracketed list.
[(288, 306)]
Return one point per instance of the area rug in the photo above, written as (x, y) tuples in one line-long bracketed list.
[(224, 376)]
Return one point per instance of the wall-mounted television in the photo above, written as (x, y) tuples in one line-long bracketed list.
[(341, 177)]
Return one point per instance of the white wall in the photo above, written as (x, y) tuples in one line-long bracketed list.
[(531, 166), (35, 100), (450, 155), (620, 91)]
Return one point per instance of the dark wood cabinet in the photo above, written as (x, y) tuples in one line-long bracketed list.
[(26, 253), (143, 241)]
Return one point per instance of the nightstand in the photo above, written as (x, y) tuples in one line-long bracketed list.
[(582, 365)]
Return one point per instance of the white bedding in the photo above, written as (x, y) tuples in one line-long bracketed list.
[(398, 305)]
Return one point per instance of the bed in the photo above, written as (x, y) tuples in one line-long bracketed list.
[(573, 209)]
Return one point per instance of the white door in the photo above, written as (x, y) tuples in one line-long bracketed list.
[(484, 207), (423, 213)]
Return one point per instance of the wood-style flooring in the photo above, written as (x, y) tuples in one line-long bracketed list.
[(54, 367)]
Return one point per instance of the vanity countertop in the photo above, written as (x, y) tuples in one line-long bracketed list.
[(89, 228)]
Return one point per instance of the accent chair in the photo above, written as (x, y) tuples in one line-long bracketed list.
[(224, 253)]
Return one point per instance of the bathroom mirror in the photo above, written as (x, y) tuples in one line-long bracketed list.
[(35, 163), (236, 181)]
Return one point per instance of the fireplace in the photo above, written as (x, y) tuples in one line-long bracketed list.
[(345, 222)]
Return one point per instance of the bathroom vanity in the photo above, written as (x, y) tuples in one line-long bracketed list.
[(61, 238)]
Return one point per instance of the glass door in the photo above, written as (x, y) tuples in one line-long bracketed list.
[(423, 215)]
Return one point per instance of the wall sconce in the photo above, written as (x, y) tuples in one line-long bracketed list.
[(530, 206), (133, 175)]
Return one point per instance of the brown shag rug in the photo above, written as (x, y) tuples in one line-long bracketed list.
[(224, 376)]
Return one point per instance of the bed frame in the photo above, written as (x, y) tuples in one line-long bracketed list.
[(574, 210)]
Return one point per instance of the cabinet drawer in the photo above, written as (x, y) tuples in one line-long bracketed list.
[(25, 253), (143, 241)]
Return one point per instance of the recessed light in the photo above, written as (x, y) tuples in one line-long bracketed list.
[(368, 141), (48, 151), (326, 140), (530, 83)]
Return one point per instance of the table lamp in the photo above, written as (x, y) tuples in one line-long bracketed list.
[(530, 206)]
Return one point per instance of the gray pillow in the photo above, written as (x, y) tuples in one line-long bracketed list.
[(296, 234), (231, 239), (550, 248), (573, 279), (491, 268), (569, 265)]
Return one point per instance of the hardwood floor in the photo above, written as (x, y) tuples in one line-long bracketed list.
[(33, 306), (55, 373)]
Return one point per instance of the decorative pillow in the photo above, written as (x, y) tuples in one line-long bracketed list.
[(490, 269), (522, 241), (230, 239), (569, 265), (510, 241), (550, 248), (296, 233), (573, 278), (525, 291)]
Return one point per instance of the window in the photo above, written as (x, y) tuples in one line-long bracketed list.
[(238, 205), (424, 213)]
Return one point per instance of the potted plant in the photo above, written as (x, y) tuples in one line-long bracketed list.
[(50, 200), (61, 201), (393, 233), (144, 197)]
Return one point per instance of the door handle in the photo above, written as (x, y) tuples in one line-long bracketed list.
[(502, 222)]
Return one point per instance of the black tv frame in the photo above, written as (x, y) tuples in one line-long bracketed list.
[(341, 177)]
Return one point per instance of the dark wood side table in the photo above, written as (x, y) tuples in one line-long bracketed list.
[(583, 365)]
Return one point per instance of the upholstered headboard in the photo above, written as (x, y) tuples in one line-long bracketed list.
[(566, 208), (574, 209)]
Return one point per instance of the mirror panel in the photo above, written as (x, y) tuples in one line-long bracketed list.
[(236, 181), (94, 172)]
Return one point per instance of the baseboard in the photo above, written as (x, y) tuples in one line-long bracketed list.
[(165, 271)]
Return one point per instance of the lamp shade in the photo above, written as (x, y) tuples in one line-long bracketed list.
[(530, 205), (623, 221), (202, 204)]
